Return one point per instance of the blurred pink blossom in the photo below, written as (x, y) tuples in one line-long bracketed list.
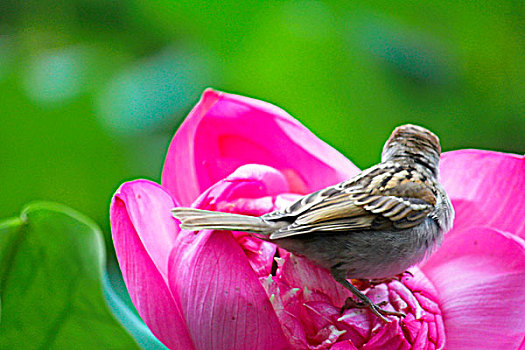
[(227, 290)]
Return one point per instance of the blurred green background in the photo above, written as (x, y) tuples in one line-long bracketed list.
[(91, 91)]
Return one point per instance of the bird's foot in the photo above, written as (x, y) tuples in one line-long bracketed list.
[(365, 301), (376, 309)]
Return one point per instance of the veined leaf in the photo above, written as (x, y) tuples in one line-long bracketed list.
[(51, 267)]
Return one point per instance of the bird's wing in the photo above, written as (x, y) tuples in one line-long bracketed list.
[(400, 201)]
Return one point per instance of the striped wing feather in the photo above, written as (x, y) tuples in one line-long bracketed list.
[(347, 208)]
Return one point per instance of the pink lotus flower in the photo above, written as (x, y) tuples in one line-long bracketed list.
[(225, 290)]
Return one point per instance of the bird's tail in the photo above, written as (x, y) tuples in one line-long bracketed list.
[(197, 219)]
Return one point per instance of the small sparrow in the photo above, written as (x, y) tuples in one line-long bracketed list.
[(372, 226)]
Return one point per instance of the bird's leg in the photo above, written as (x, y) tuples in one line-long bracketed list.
[(350, 303), (365, 301)]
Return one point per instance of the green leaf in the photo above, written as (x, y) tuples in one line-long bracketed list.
[(51, 289)]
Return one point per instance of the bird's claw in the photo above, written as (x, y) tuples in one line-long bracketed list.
[(375, 308)]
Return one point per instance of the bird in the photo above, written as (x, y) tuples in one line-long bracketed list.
[(372, 226)]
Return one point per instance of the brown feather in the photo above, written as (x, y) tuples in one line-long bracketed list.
[(396, 196)]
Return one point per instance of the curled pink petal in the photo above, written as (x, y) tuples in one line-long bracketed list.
[(249, 190), (143, 234), (225, 131), (250, 181), (221, 297), (299, 272), (486, 188), (390, 336), (149, 209), (479, 273)]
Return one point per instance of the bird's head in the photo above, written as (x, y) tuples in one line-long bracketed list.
[(414, 144)]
